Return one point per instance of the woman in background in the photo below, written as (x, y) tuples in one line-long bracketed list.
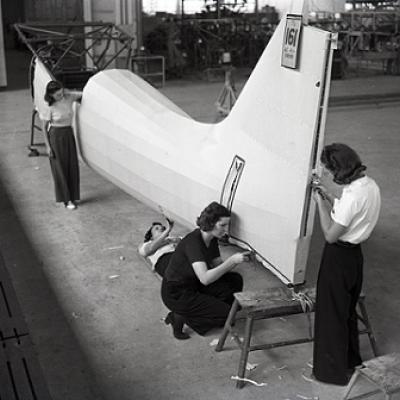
[(346, 223), (60, 143)]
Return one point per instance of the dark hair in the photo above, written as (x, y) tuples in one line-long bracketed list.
[(210, 216), (51, 88), (343, 162), (149, 234)]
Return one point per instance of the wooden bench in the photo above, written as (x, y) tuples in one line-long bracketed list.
[(275, 303), (383, 372)]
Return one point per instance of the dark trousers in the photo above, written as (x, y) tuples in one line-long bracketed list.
[(203, 307), (64, 164), (336, 344), (162, 264)]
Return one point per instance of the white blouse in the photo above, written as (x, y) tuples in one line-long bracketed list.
[(358, 209), (60, 113), (167, 248)]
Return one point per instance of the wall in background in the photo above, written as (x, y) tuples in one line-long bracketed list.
[(3, 72), (53, 10)]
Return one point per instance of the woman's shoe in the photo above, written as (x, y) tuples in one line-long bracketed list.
[(177, 325), (70, 205)]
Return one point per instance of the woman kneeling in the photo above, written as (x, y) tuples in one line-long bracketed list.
[(198, 286)]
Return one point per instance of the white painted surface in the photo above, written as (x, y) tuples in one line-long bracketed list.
[(137, 138)]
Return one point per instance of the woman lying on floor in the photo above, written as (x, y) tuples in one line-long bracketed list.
[(158, 245), (198, 286)]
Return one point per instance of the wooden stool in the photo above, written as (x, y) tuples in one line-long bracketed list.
[(274, 303), (383, 372)]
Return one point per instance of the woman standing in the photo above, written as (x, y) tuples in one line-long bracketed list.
[(346, 223), (60, 143), (198, 286)]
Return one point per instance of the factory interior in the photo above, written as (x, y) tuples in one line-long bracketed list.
[(81, 315)]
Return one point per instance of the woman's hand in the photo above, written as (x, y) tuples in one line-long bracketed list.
[(239, 258), (170, 224), (49, 152), (174, 239), (320, 192), (317, 195), (208, 275)]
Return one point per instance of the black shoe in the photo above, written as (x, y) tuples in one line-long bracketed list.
[(177, 325)]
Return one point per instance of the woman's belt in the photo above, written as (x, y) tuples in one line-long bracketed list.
[(346, 244)]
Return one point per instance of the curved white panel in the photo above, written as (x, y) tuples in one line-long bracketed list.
[(137, 138)]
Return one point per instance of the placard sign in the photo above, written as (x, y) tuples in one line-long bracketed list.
[(291, 40)]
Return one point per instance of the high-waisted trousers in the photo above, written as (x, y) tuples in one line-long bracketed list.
[(336, 344), (64, 164)]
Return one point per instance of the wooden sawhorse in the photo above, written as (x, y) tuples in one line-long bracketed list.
[(274, 303)]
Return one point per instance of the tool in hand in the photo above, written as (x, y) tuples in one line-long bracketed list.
[(316, 185)]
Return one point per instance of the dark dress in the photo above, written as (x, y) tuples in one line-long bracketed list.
[(202, 307), (336, 345), (64, 164)]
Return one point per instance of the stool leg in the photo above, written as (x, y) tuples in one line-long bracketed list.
[(310, 326), (34, 112), (227, 326), (365, 320), (351, 384), (33, 151), (245, 351)]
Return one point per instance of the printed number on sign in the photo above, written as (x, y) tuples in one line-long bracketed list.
[(291, 36)]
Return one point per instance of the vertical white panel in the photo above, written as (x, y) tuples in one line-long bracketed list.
[(120, 12), (102, 11), (88, 17), (3, 72), (87, 10)]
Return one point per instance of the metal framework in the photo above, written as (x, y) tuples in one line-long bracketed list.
[(369, 38), (76, 48), (373, 3), (218, 5)]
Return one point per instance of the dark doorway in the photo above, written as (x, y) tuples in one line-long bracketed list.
[(17, 56)]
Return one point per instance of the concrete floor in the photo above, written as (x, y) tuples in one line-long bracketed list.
[(93, 306)]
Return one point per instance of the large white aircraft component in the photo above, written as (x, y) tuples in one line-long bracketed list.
[(258, 161)]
